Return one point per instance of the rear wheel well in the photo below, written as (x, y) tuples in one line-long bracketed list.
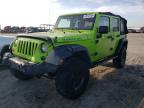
[(120, 46), (125, 45)]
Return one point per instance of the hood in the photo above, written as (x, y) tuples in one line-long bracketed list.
[(61, 35), (70, 35)]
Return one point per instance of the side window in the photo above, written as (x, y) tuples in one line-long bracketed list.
[(115, 24), (104, 21), (122, 27)]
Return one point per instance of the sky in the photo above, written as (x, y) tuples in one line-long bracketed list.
[(35, 12)]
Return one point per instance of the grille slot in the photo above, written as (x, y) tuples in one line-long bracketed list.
[(27, 47)]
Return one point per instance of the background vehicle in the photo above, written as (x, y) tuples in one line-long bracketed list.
[(134, 30), (142, 29), (15, 29), (77, 43), (131, 30), (32, 29), (22, 29), (7, 29)]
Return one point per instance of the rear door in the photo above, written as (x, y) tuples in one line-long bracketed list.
[(115, 33), (103, 44)]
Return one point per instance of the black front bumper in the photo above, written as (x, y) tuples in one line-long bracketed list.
[(29, 68)]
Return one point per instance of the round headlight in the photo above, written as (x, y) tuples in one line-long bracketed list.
[(44, 48)]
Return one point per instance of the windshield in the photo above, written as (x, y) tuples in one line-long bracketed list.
[(81, 22)]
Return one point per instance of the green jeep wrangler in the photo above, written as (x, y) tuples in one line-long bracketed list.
[(77, 43)]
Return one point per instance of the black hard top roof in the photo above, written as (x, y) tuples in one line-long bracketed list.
[(109, 13)]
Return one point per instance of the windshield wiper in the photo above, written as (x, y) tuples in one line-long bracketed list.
[(61, 29), (69, 29), (76, 29)]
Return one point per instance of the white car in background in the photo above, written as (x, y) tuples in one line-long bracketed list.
[(142, 30), (134, 30)]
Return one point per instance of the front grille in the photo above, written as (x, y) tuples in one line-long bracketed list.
[(27, 47)]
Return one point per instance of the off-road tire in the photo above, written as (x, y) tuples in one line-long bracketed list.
[(119, 62), (72, 78), (19, 75)]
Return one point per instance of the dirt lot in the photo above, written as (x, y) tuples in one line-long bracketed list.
[(108, 87)]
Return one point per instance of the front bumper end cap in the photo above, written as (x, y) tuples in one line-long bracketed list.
[(29, 68)]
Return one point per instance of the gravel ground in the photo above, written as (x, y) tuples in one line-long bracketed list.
[(108, 87)]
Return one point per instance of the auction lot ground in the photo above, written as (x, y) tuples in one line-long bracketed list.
[(108, 87)]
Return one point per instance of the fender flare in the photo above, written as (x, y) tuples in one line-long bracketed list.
[(66, 51), (121, 44), (3, 49)]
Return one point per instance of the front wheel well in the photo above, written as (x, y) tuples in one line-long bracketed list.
[(83, 55), (4, 49)]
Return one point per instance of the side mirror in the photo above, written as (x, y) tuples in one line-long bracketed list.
[(103, 29)]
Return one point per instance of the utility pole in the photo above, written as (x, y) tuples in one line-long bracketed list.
[(49, 16)]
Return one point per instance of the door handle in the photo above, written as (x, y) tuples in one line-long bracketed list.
[(110, 37)]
